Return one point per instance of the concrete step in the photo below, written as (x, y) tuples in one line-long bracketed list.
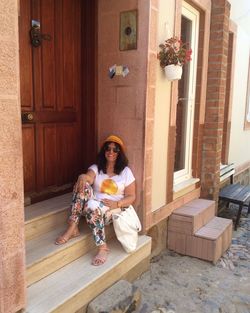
[(45, 216), (191, 216), (72, 287), (43, 256)]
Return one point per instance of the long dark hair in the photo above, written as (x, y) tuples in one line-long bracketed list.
[(120, 163)]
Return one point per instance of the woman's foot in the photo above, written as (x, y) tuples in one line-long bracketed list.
[(70, 233), (101, 256)]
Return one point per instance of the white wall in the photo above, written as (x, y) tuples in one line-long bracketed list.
[(239, 149), (162, 110)]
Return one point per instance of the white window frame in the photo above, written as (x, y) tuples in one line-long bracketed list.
[(193, 15)]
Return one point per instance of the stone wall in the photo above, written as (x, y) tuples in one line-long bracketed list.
[(158, 233), (12, 282), (243, 177)]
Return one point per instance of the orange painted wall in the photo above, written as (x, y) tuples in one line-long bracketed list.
[(122, 100)]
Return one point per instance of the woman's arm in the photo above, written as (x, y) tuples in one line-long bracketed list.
[(129, 196), (89, 177)]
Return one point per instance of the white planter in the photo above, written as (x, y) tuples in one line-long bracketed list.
[(173, 72)]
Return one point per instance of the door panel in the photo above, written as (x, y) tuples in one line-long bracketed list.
[(65, 134), (25, 54), (51, 84), (49, 141), (29, 166)]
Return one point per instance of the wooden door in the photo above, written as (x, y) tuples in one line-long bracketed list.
[(52, 93)]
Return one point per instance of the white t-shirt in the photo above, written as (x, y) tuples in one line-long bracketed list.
[(111, 188)]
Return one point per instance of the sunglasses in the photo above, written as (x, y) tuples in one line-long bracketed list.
[(115, 149)]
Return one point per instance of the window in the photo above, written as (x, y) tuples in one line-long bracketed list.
[(186, 97)]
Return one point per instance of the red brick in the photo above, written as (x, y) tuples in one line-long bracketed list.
[(217, 11), (219, 18), (211, 140), (212, 110), (216, 58), (213, 88)]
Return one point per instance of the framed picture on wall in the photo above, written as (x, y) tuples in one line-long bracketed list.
[(247, 117), (128, 30)]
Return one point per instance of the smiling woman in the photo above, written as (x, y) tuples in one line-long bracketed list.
[(113, 187)]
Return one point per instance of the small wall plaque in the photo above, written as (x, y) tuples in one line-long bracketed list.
[(128, 30)]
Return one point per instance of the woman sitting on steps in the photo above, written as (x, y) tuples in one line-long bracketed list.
[(113, 188)]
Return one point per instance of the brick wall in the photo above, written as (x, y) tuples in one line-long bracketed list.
[(12, 281), (227, 118), (215, 101)]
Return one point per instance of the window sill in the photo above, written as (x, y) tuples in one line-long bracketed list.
[(184, 187)]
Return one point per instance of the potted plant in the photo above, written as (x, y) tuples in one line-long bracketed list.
[(173, 55)]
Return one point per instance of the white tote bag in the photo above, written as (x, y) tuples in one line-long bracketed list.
[(126, 226)]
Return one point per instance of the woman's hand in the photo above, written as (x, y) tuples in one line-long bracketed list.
[(110, 212), (89, 177), (110, 203), (81, 181)]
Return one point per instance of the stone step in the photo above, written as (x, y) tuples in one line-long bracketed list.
[(43, 256), (72, 287), (191, 216), (45, 216)]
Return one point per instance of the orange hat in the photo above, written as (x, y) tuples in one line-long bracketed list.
[(115, 139)]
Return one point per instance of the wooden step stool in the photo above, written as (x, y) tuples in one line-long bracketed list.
[(194, 230)]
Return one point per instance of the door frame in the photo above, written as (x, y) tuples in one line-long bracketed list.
[(90, 18)]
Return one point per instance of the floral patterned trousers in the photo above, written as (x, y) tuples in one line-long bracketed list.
[(84, 204)]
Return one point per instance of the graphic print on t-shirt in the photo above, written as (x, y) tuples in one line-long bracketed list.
[(109, 187)]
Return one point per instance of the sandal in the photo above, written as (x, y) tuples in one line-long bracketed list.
[(101, 257), (61, 240)]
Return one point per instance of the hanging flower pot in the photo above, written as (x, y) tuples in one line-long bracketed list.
[(173, 72), (173, 55)]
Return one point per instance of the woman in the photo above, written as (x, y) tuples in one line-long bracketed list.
[(113, 188)]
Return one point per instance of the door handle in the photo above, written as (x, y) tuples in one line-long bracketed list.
[(35, 34), (27, 117)]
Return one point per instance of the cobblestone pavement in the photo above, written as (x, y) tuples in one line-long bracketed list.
[(181, 284)]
